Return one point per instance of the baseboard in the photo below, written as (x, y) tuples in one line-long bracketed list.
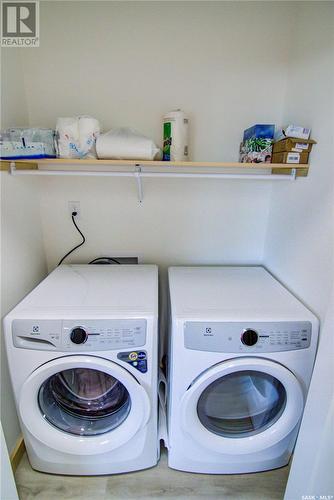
[(17, 453)]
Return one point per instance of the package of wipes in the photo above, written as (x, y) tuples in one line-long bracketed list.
[(76, 137), (17, 143)]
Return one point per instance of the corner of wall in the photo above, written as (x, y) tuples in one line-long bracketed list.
[(23, 262)]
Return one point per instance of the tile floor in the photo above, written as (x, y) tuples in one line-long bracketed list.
[(151, 484)]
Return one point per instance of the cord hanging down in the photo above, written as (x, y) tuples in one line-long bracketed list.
[(74, 214)]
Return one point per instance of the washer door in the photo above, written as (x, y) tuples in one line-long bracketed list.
[(242, 406), (83, 405)]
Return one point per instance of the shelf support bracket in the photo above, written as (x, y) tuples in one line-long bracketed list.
[(139, 183), (12, 167)]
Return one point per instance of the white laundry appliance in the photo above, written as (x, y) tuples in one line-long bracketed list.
[(241, 355), (82, 353)]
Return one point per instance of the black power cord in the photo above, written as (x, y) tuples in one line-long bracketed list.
[(74, 214), (101, 260)]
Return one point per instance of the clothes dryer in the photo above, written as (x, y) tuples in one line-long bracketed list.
[(241, 355)]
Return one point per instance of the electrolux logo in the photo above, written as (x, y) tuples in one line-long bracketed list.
[(208, 332), (20, 24)]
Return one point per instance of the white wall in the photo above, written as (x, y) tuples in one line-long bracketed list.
[(299, 243), (311, 472), (127, 63), (22, 252), (179, 222), (299, 246), (14, 109)]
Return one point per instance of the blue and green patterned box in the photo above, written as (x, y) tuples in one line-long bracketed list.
[(259, 132), (257, 144)]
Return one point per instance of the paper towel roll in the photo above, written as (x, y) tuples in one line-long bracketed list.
[(126, 144), (175, 128), (89, 130)]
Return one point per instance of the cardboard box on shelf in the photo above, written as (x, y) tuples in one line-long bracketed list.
[(290, 157), (295, 145)]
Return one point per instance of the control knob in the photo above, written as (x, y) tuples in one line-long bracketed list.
[(78, 335), (249, 337)]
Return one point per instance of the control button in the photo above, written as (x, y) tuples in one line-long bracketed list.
[(78, 335), (249, 337)]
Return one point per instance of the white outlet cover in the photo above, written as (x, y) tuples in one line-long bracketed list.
[(74, 206)]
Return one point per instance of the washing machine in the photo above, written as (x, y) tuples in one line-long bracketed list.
[(241, 355), (82, 354)]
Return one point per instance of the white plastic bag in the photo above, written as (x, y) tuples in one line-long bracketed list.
[(76, 137), (126, 144)]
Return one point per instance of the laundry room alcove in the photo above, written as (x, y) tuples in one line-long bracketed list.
[(228, 65)]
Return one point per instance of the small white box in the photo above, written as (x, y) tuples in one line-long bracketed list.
[(292, 131)]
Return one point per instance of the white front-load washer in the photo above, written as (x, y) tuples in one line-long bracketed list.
[(82, 353), (241, 355)]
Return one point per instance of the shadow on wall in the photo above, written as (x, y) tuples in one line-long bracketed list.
[(23, 266)]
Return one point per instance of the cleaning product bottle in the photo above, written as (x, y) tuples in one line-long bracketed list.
[(175, 136)]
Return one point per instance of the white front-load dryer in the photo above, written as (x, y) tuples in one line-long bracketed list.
[(241, 355), (82, 353)]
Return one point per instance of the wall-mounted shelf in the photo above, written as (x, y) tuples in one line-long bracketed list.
[(139, 169)]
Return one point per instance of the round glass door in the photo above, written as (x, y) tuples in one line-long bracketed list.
[(241, 404), (84, 401)]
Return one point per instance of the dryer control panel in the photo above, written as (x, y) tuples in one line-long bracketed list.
[(249, 337), (79, 335)]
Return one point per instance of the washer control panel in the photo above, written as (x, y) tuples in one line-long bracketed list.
[(79, 335), (251, 337)]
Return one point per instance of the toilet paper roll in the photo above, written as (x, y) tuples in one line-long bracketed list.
[(76, 137), (126, 144), (89, 130)]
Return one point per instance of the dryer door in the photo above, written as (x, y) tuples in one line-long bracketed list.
[(83, 405), (242, 406)]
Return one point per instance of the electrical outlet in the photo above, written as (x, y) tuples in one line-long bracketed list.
[(74, 206)]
